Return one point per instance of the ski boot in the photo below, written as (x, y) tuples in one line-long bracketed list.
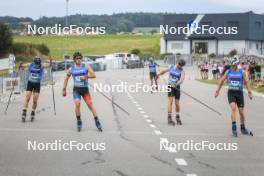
[(24, 114), (32, 116), (178, 120), (98, 124), (170, 121), (245, 131), (79, 125)]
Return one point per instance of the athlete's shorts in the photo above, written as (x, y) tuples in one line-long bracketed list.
[(79, 92), (174, 92), (237, 97), (33, 87), (152, 75)]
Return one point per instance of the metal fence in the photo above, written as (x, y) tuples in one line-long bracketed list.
[(9, 80)]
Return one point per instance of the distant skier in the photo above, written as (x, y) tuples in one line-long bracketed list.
[(35, 72)]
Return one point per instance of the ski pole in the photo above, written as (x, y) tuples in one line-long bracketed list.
[(108, 98), (12, 90), (52, 88), (197, 100)]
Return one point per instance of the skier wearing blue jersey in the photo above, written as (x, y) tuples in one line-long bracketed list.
[(176, 78), (35, 71), (80, 74), (236, 78), (153, 73)]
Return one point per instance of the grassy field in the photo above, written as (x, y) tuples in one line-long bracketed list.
[(260, 89), (96, 45)]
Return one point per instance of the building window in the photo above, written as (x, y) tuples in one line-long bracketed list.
[(257, 25), (177, 46)]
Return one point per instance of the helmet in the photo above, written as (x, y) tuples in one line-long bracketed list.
[(37, 61), (181, 62), (234, 60), (76, 54), (150, 59)]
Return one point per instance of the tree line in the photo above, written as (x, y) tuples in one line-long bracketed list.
[(121, 22)]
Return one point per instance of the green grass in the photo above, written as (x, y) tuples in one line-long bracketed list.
[(96, 45), (212, 81)]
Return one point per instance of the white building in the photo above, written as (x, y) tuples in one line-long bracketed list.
[(241, 31)]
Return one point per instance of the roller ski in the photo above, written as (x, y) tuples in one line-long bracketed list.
[(245, 131), (234, 133), (98, 124), (178, 120), (24, 114), (170, 121), (79, 125), (32, 116)]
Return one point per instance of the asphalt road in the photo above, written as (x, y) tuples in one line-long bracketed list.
[(132, 142)]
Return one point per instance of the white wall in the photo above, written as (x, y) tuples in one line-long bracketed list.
[(225, 46), (252, 47), (181, 46), (162, 46)]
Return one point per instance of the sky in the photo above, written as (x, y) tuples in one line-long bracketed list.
[(38, 8)]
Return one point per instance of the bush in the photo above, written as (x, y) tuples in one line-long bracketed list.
[(162, 56), (43, 49), (135, 51), (233, 53), (19, 48), (6, 39), (28, 49), (212, 55)]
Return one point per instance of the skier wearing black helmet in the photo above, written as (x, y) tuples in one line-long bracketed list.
[(35, 72)]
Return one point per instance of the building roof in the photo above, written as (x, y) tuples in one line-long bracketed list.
[(250, 26)]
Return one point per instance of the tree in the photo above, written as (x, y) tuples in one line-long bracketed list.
[(5, 39)]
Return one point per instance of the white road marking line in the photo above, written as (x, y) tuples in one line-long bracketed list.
[(145, 116), (152, 126), (191, 175), (142, 112), (137, 105), (181, 161), (140, 109), (148, 120), (158, 132)]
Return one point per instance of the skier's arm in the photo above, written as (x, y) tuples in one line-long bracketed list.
[(65, 83), (91, 72), (182, 79), (161, 73), (220, 84)]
